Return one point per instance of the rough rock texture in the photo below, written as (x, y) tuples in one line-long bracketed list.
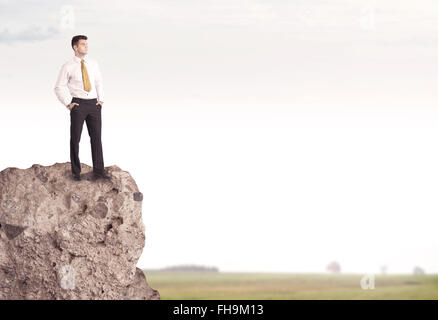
[(67, 239)]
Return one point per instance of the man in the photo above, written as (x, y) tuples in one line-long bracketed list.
[(81, 79)]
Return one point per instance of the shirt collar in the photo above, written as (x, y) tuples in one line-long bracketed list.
[(77, 59)]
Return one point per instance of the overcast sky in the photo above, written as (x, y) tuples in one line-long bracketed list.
[(265, 135)]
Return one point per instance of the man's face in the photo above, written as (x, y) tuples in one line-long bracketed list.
[(82, 47)]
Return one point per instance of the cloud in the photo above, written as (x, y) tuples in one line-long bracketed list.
[(30, 20), (30, 34)]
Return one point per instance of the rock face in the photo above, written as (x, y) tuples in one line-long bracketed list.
[(67, 239)]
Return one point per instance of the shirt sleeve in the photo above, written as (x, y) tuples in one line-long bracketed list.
[(61, 89), (99, 84)]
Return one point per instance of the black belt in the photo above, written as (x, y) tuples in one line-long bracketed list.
[(84, 100)]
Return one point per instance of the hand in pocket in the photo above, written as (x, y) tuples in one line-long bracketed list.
[(71, 105)]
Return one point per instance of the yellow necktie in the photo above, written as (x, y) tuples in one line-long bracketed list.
[(85, 79)]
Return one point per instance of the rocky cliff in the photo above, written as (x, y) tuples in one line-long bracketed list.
[(67, 239)]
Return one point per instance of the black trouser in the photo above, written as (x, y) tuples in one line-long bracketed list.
[(89, 111)]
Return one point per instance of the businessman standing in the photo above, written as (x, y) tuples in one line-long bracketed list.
[(80, 88)]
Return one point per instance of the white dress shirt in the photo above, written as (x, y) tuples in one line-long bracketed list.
[(69, 83)]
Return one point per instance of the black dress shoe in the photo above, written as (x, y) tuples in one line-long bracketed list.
[(77, 177), (101, 176)]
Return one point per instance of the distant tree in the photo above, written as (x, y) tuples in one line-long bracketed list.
[(333, 267), (418, 271), (191, 267)]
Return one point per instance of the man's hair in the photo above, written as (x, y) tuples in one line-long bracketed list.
[(75, 40)]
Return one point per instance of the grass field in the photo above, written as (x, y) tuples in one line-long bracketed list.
[(224, 285)]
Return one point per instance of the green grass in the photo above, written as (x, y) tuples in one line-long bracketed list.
[(234, 285)]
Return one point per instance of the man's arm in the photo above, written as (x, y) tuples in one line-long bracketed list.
[(98, 82), (61, 89)]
